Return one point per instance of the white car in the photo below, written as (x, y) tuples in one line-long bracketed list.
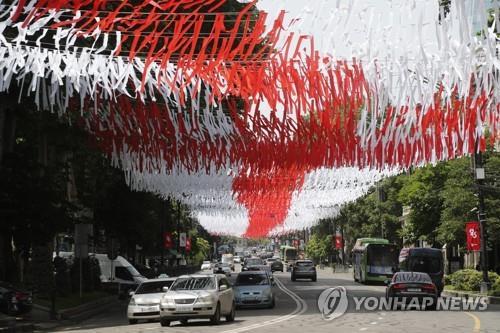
[(222, 268), (206, 265), (145, 301), (237, 260), (201, 296)]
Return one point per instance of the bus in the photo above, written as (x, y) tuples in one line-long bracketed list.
[(288, 256), (424, 260), (374, 260)]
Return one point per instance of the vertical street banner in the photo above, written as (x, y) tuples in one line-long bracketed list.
[(167, 240), (472, 232), (188, 244), (338, 241), (182, 239)]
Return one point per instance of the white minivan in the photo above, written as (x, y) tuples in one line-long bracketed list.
[(119, 271)]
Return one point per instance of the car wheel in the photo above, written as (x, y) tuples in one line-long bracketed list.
[(132, 321), (273, 303), (184, 321), (314, 279), (293, 278), (215, 320), (232, 314), (164, 322)]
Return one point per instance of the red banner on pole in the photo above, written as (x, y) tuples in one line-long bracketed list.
[(188, 244), (472, 232), (338, 241), (168, 242)]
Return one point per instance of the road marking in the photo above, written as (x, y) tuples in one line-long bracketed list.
[(477, 322), (363, 329), (373, 323), (300, 308)]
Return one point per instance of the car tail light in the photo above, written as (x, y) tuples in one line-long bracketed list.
[(398, 286), (429, 287), (21, 296)]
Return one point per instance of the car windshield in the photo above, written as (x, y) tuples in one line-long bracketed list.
[(424, 264), (194, 283), (252, 280), (153, 287), (411, 277)]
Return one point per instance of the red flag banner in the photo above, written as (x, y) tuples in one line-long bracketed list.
[(167, 240), (188, 244), (338, 241), (472, 232)]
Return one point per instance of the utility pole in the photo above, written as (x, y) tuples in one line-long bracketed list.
[(479, 176)]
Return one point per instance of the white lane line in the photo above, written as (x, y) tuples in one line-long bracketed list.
[(363, 329), (373, 323), (300, 308)]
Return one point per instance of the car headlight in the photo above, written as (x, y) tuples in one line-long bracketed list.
[(167, 301), (204, 299), (132, 301)]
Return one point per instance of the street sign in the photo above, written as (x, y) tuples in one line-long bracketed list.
[(473, 235), (182, 239)]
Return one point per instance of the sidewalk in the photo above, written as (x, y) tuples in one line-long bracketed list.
[(467, 294)]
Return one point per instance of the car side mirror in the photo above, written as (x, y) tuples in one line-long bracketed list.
[(165, 289), (223, 287), (387, 282), (131, 293)]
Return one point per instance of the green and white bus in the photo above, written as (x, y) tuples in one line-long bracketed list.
[(374, 260), (288, 256)]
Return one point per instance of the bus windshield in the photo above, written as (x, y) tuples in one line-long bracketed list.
[(384, 255)]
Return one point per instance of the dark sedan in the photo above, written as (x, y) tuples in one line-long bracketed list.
[(406, 286), (14, 301), (303, 269), (277, 266)]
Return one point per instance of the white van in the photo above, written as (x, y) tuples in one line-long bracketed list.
[(118, 271), (228, 258)]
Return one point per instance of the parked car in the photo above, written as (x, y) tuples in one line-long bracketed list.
[(206, 265), (222, 268), (405, 286), (14, 301), (202, 296), (254, 289), (145, 301), (303, 269), (277, 266)]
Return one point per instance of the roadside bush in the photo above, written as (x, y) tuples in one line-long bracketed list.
[(495, 288), (469, 279)]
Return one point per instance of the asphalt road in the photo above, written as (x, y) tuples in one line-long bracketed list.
[(297, 311)]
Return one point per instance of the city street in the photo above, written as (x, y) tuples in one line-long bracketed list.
[(297, 311)]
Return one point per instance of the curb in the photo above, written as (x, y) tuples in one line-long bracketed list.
[(453, 293)]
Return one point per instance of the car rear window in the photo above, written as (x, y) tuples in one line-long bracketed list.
[(304, 263), (411, 277), (251, 279)]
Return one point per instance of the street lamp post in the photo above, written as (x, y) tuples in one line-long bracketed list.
[(479, 176)]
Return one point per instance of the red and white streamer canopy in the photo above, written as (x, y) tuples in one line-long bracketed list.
[(268, 118)]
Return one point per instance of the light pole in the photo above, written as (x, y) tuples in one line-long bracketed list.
[(479, 176)]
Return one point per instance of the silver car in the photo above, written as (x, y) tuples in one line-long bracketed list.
[(145, 301), (201, 296), (254, 289)]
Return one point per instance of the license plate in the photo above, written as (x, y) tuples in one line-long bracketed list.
[(149, 309), (184, 308), (414, 289)]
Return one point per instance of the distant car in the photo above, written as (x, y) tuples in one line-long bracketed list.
[(254, 289), (202, 296), (145, 301), (222, 268), (269, 261), (252, 262), (405, 286), (206, 265), (277, 266), (303, 269), (14, 301), (237, 260)]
